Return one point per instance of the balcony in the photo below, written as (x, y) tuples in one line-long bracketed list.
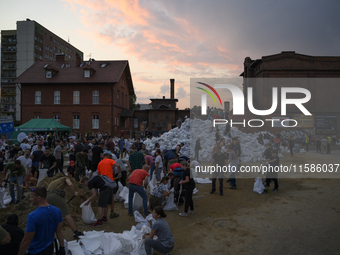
[(8, 58), (9, 50), (7, 92), (7, 109), (6, 41), (3, 101), (9, 67)]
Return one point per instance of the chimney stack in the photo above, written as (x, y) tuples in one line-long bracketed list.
[(172, 88), (59, 57), (78, 59)]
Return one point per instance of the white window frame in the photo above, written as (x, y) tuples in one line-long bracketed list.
[(87, 73), (37, 97), (36, 116), (76, 97), (76, 122), (95, 97), (56, 118), (95, 121), (56, 97)]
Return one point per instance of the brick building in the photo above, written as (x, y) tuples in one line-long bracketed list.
[(160, 116), (21, 48), (87, 96), (324, 103)]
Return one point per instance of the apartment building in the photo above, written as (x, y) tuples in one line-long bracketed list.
[(20, 49)]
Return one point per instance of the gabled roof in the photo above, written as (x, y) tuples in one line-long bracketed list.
[(50, 67), (68, 72)]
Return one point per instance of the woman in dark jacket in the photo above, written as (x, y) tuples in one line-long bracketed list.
[(189, 185)]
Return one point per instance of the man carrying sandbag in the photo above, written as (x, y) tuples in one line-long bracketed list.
[(106, 187), (136, 185), (57, 197)]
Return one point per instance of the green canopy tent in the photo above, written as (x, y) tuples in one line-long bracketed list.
[(38, 126)]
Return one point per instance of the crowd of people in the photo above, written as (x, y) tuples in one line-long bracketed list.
[(98, 164)]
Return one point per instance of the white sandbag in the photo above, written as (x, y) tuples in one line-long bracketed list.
[(87, 173), (7, 198), (141, 220), (114, 245), (124, 194), (2, 195), (42, 174), (120, 188), (194, 191), (170, 205), (302, 151), (202, 180), (258, 186), (137, 202), (90, 244), (87, 213), (74, 248)]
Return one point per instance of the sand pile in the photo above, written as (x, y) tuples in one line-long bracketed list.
[(25, 206)]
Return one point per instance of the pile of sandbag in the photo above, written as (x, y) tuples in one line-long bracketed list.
[(109, 243), (98, 242)]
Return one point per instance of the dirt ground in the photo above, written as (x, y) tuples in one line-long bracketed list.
[(303, 217)]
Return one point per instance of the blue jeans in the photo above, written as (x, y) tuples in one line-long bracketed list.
[(139, 189), (152, 169), (156, 245), (11, 187)]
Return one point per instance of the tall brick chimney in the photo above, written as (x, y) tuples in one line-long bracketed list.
[(172, 88), (59, 57), (78, 59)]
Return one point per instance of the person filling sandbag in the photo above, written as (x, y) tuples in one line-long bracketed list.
[(159, 193), (166, 241), (136, 185), (105, 186), (56, 197)]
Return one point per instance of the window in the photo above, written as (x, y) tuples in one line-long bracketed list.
[(56, 118), (38, 97), (76, 121), (87, 73), (122, 82), (37, 116), (156, 115), (56, 97), (76, 96), (167, 116), (48, 74), (118, 99), (95, 121), (95, 97)]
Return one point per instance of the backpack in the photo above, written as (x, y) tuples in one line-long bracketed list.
[(178, 172)]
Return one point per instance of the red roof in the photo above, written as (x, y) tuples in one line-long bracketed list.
[(68, 72)]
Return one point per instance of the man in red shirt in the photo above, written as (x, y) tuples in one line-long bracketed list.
[(136, 185), (174, 166)]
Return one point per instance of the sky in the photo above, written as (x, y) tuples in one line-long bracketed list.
[(184, 39)]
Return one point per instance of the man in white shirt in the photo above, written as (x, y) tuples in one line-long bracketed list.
[(35, 147), (26, 161)]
